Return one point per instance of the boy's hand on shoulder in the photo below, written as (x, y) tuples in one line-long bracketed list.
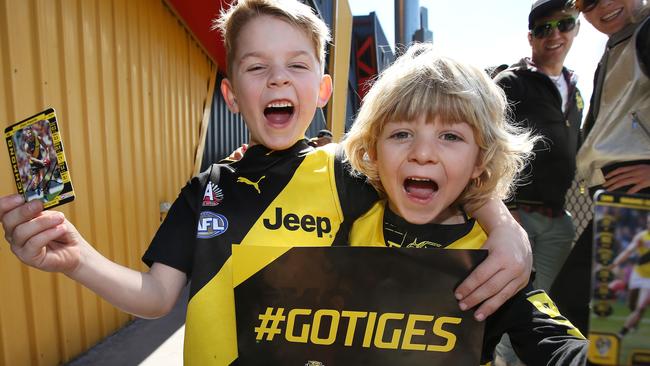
[(41, 239), (502, 274)]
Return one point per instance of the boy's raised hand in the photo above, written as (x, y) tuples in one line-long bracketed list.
[(47, 241), (41, 239)]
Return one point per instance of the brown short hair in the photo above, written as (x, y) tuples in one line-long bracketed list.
[(299, 15)]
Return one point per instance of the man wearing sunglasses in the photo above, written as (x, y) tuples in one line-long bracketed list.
[(544, 97)]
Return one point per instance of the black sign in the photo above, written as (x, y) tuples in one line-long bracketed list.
[(353, 306)]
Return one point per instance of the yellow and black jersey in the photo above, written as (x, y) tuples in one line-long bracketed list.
[(539, 334), (381, 227), (36, 151), (299, 196), (34, 148), (642, 266)]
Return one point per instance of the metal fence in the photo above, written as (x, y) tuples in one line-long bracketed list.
[(580, 206)]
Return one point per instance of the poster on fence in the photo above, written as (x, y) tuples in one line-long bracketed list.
[(353, 306), (619, 324)]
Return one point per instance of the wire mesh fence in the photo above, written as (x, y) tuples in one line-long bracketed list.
[(580, 207)]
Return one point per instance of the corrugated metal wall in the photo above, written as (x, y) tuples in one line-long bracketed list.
[(129, 85)]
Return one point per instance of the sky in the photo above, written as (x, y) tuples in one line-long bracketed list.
[(490, 33)]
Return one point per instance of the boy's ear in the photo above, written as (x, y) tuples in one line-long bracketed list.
[(325, 91), (229, 96), (478, 170), (479, 166)]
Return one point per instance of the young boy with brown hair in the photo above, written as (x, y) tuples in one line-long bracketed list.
[(275, 53)]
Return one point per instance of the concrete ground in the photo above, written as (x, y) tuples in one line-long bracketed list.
[(145, 342)]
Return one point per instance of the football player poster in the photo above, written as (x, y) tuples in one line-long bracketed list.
[(619, 331)]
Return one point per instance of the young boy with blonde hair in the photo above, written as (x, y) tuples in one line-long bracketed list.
[(276, 81), (433, 138)]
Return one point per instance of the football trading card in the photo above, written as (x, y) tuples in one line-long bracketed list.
[(619, 323), (37, 159)]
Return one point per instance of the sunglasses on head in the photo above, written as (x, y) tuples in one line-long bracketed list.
[(586, 6), (545, 29)]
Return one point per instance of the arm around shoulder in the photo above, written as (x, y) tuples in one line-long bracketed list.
[(507, 267)]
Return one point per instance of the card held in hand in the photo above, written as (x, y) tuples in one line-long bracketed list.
[(37, 159)]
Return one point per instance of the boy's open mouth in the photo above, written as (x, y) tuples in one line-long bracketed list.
[(279, 112), (421, 188)]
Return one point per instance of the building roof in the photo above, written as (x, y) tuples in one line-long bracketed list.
[(197, 15)]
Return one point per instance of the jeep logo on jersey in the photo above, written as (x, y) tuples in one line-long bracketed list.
[(293, 222), (213, 195), (210, 225)]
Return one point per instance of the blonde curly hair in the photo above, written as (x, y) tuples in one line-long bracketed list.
[(422, 82)]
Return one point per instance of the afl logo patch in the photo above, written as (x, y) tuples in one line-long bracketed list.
[(210, 225)]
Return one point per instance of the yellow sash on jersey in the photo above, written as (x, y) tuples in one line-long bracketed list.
[(368, 230)]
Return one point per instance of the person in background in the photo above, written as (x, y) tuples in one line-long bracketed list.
[(323, 138), (544, 98), (615, 153), (276, 80), (493, 71)]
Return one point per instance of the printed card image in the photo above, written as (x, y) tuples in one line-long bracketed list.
[(353, 306), (620, 318), (37, 159)]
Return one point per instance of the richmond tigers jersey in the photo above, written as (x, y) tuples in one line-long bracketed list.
[(34, 148), (642, 266), (299, 196), (539, 334), (381, 227)]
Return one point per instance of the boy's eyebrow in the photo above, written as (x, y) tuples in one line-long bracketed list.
[(256, 54)]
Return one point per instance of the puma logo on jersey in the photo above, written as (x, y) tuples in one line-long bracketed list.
[(255, 185), (293, 222)]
